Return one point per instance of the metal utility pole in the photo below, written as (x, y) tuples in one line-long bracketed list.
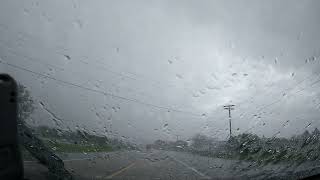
[(229, 108)]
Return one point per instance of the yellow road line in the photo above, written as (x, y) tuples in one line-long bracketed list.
[(119, 172)]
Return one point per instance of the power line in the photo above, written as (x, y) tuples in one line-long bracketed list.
[(32, 59), (56, 67), (282, 92), (275, 102), (280, 99), (153, 83), (96, 65), (60, 69), (99, 91), (117, 73), (268, 105)]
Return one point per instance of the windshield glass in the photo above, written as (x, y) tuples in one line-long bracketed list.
[(165, 89)]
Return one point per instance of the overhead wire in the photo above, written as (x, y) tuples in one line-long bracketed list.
[(156, 83), (36, 60), (281, 98), (101, 65), (99, 91)]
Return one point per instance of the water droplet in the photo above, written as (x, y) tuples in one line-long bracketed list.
[(214, 76), (286, 123), (299, 36), (227, 86), (26, 11), (169, 61), (276, 60), (41, 104), (308, 125), (292, 74), (277, 134), (204, 115), (313, 58), (78, 23), (195, 95), (202, 91), (179, 76), (97, 86), (67, 57), (245, 74)]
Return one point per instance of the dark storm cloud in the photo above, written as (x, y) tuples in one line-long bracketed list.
[(194, 56)]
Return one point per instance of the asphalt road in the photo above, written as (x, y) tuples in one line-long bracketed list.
[(160, 165)]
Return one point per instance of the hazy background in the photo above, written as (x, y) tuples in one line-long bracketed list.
[(146, 70)]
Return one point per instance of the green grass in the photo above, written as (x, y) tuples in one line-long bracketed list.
[(74, 148), (60, 147)]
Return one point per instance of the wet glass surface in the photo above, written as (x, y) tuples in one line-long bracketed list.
[(165, 89)]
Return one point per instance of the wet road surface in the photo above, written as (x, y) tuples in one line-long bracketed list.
[(160, 165)]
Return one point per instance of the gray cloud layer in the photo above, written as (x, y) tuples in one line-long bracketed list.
[(194, 56)]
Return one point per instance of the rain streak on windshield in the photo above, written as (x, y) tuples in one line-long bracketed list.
[(165, 89)]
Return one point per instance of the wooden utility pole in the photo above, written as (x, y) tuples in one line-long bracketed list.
[(177, 137), (229, 108)]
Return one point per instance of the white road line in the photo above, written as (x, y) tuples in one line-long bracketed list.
[(191, 168), (120, 171)]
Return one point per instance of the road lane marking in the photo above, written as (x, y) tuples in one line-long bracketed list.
[(120, 171), (191, 168)]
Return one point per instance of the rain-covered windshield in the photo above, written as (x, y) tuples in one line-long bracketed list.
[(165, 89)]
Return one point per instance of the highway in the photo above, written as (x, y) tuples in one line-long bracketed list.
[(160, 165)]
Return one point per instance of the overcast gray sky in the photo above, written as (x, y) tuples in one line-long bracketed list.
[(191, 57)]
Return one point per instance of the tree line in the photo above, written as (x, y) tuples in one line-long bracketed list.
[(250, 147)]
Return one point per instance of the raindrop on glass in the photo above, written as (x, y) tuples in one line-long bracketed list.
[(179, 76), (67, 57)]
